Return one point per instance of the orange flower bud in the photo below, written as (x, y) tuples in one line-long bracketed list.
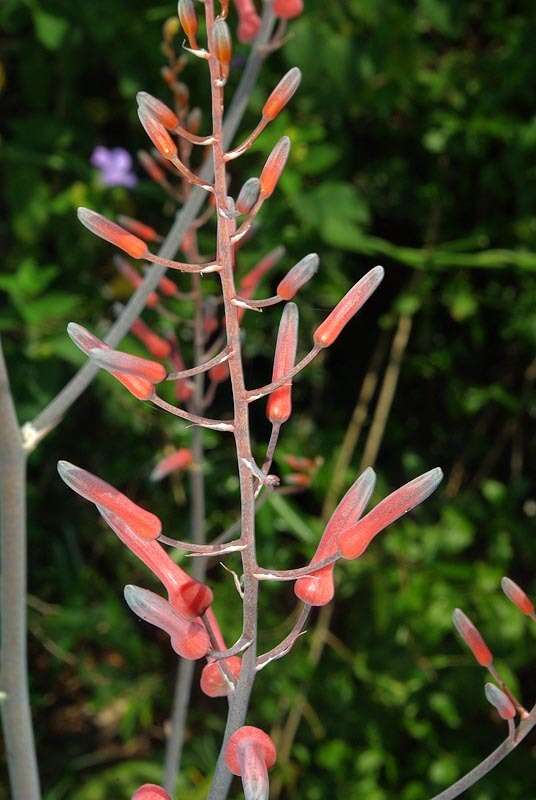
[(157, 133), (275, 164), (222, 45), (177, 461), (298, 276), (151, 167), (279, 405), (518, 597), (142, 522), (156, 345), (287, 9), (472, 638), (138, 228), (283, 92), (134, 278), (189, 23), (354, 540), (110, 232), (117, 361), (327, 331), (158, 109)]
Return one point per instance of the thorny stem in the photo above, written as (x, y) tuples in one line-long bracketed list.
[(16, 713), (54, 411)]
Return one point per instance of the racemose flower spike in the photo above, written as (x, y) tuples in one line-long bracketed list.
[(189, 638), (250, 753)]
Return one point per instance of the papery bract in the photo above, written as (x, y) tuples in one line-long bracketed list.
[(189, 638), (187, 596), (472, 638), (317, 589), (327, 331), (142, 522), (354, 540), (279, 404), (108, 230), (517, 596), (298, 276), (274, 166), (179, 460), (282, 94)]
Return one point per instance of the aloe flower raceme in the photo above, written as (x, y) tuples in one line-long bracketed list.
[(189, 638), (87, 342), (500, 701), (288, 9), (214, 676), (517, 596), (317, 589), (248, 20), (187, 596), (472, 638), (329, 330), (150, 791), (108, 230), (155, 344), (143, 523), (177, 461), (250, 753), (279, 405), (298, 276), (354, 540)]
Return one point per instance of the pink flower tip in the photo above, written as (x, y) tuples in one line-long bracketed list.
[(472, 638), (517, 596), (150, 791)]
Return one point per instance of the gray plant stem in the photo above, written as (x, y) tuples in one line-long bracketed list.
[(16, 714), (47, 419)]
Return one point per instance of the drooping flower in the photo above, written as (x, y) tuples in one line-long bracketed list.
[(250, 753), (114, 165)]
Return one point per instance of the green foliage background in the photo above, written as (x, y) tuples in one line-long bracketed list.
[(414, 144)]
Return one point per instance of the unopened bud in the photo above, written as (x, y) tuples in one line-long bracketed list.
[(283, 92), (248, 196), (275, 164), (298, 276), (110, 232), (188, 19), (177, 461), (157, 133), (327, 331), (158, 109), (222, 45), (472, 638), (279, 405), (500, 701), (117, 361), (518, 597)]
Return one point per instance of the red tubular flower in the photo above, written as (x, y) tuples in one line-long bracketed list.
[(189, 638), (156, 345), (158, 109), (327, 331), (248, 196), (188, 19), (287, 9), (472, 638), (157, 133), (249, 21), (222, 45), (134, 278), (275, 164), (500, 701), (279, 405), (116, 361), (85, 341), (177, 461), (108, 230), (143, 523), (214, 681), (354, 540), (518, 597), (138, 228), (250, 753), (189, 597), (151, 167), (282, 94), (298, 276), (317, 589), (150, 791)]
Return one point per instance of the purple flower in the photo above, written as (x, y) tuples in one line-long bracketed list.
[(114, 165)]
